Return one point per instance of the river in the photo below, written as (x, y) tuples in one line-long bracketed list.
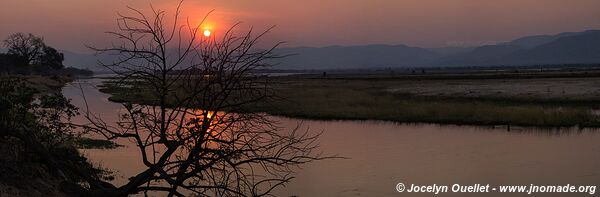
[(382, 154)]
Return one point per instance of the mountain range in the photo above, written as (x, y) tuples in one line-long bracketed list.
[(564, 48)]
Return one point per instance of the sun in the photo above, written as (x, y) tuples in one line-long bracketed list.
[(207, 32)]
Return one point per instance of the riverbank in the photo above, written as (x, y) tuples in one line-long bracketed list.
[(25, 170), (431, 151), (557, 99)]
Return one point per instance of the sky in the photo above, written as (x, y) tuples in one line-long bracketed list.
[(72, 24)]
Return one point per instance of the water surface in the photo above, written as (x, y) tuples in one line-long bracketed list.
[(381, 154)]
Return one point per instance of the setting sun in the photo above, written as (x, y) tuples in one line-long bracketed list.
[(304, 98)]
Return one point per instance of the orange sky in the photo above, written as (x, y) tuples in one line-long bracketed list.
[(69, 24)]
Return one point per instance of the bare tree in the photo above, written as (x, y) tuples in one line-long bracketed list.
[(28, 47), (190, 137)]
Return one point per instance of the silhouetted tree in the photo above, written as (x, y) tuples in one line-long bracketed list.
[(191, 141), (52, 58), (27, 47)]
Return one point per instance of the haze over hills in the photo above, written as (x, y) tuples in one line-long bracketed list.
[(352, 57), (563, 48), (579, 48), (533, 41), (86, 61)]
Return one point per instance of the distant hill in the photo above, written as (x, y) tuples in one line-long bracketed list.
[(478, 56), (85, 61), (563, 48), (446, 51), (537, 40), (351, 57), (579, 48)]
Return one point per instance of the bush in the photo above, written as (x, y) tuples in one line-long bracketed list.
[(37, 128)]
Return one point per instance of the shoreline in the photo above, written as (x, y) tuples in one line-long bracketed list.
[(477, 102)]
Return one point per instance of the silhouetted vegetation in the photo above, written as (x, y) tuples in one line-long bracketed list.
[(35, 126), (28, 54), (195, 145), (28, 48)]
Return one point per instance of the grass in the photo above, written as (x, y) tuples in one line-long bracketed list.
[(42, 84), (362, 100), (359, 98)]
